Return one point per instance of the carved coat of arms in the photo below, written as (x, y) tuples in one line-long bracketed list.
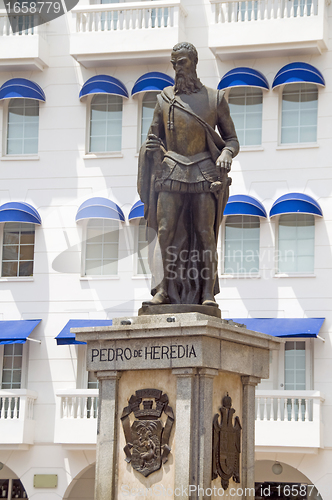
[(226, 444), (147, 437)]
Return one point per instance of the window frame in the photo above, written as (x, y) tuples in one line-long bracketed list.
[(290, 145), (292, 274), (5, 120), (17, 278), (99, 154), (254, 147), (276, 380), (24, 369), (309, 357), (83, 256), (223, 274)]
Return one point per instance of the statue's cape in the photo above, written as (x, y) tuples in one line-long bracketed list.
[(147, 168)]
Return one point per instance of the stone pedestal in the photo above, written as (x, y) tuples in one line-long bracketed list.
[(196, 360)]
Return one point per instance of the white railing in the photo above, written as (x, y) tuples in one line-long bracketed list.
[(128, 16), (76, 417), (20, 25), (288, 406), (79, 404), (231, 11), (17, 404)]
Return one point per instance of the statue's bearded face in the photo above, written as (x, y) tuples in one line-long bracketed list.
[(186, 81)]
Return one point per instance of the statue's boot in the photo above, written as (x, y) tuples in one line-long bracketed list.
[(157, 300), (209, 302)]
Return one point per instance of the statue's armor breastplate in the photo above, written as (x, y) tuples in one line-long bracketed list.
[(187, 136)]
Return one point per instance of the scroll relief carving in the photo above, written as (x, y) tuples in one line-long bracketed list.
[(226, 444), (147, 437)]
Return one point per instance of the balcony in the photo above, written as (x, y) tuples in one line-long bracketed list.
[(16, 418), (106, 34), (288, 421), (268, 28), (26, 50), (76, 418)]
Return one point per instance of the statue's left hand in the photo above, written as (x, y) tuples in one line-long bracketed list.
[(225, 160), (153, 143)]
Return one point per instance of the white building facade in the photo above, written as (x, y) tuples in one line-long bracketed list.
[(74, 110)]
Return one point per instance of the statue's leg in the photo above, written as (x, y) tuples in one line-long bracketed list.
[(169, 208), (204, 213)]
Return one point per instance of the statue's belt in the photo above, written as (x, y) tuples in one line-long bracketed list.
[(199, 168), (188, 160)]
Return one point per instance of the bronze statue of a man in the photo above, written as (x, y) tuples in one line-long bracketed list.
[(183, 183)]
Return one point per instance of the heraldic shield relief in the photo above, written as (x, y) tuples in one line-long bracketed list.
[(147, 437), (226, 444)]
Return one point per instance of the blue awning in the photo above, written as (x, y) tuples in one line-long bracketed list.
[(283, 327), (103, 84), (65, 337), (292, 203), (137, 210), (152, 81), (17, 332), (21, 88), (99, 208), (243, 77), (241, 204), (298, 72), (19, 211)]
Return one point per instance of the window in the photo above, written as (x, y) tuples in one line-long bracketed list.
[(299, 113), (18, 249), (22, 127), (109, 20), (92, 381), (295, 376), (142, 249), (159, 18), (241, 244), (291, 368), (250, 9), (12, 366), (102, 242), (296, 243), (24, 25), (295, 370), (105, 123), (148, 104), (302, 8), (246, 105)]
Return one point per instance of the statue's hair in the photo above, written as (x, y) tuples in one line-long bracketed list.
[(190, 48)]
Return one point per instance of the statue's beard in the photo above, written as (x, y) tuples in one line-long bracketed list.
[(187, 84)]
